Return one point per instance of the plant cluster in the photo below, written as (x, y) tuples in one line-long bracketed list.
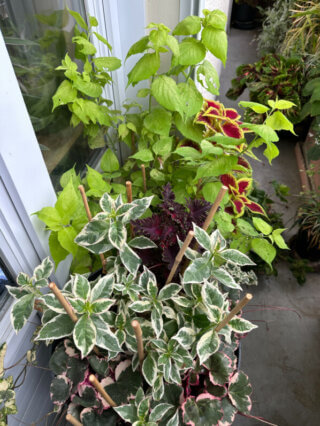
[(189, 368)]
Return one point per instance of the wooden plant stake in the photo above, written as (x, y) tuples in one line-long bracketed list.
[(143, 169), (67, 307), (138, 332), (129, 191), (234, 311), (100, 389), (89, 216), (214, 207), (180, 256), (72, 420)]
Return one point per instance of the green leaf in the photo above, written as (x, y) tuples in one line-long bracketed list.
[(144, 155), (190, 97), (67, 203), (98, 186), (264, 131), (204, 412), (130, 259), (138, 47), (142, 243), (278, 239), (166, 92), (81, 287), (236, 257), (262, 226), (79, 20), (58, 253), (216, 19), (263, 249), (216, 41), (21, 311), (188, 26), (104, 337), (208, 77), (278, 121), (256, 107), (217, 167), (239, 391), (163, 146), (103, 40), (64, 94), (109, 62), (220, 368), (60, 326), (89, 88), (241, 325), (109, 162), (188, 128), (245, 228), (52, 218), (192, 51), (207, 345), (224, 222), (84, 335), (173, 44), (147, 66), (85, 46), (66, 238), (60, 389), (211, 190), (188, 152), (149, 369), (281, 104), (158, 121)]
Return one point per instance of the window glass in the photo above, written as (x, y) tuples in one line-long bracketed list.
[(5, 279), (37, 34)]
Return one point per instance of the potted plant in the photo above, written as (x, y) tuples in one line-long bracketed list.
[(131, 349)]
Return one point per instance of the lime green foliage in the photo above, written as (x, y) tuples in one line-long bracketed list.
[(82, 89)]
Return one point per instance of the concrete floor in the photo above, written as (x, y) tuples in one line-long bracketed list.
[(281, 357)]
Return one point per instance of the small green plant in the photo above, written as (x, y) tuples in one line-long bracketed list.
[(82, 89), (7, 393)]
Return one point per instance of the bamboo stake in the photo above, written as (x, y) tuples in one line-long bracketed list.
[(89, 216), (138, 332), (129, 191), (67, 307), (100, 389), (63, 302), (180, 256), (73, 420), (214, 207), (234, 311), (143, 169)]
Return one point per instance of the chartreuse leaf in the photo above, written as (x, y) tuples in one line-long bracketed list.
[(245, 228), (215, 40), (149, 369), (217, 167), (144, 155), (210, 191), (262, 226), (188, 26), (68, 203), (84, 335), (216, 18), (236, 257), (192, 51), (271, 151), (208, 77), (207, 345), (138, 47), (147, 66), (78, 18), (190, 97), (263, 249), (280, 104), (65, 94), (166, 92), (158, 121), (264, 131), (51, 217), (109, 62), (109, 162), (256, 107), (21, 311), (98, 186), (239, 391), (278, 121), (188, 128), (66, 238), (278, 239)]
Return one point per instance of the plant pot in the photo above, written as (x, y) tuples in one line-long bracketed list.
[(301, 244), (244, 16)]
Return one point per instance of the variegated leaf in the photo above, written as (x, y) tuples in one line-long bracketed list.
[(21, 311), (103, 288), (81, 287), (207, 345), (84, 335), (142, 243), (130, 259), (60, 326)]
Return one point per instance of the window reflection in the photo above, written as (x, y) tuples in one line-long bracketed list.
[(38, 34)]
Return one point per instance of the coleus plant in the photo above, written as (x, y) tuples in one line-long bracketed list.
[(189, 342)]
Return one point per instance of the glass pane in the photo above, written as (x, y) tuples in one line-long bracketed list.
[(5, 279), (38, 33)]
